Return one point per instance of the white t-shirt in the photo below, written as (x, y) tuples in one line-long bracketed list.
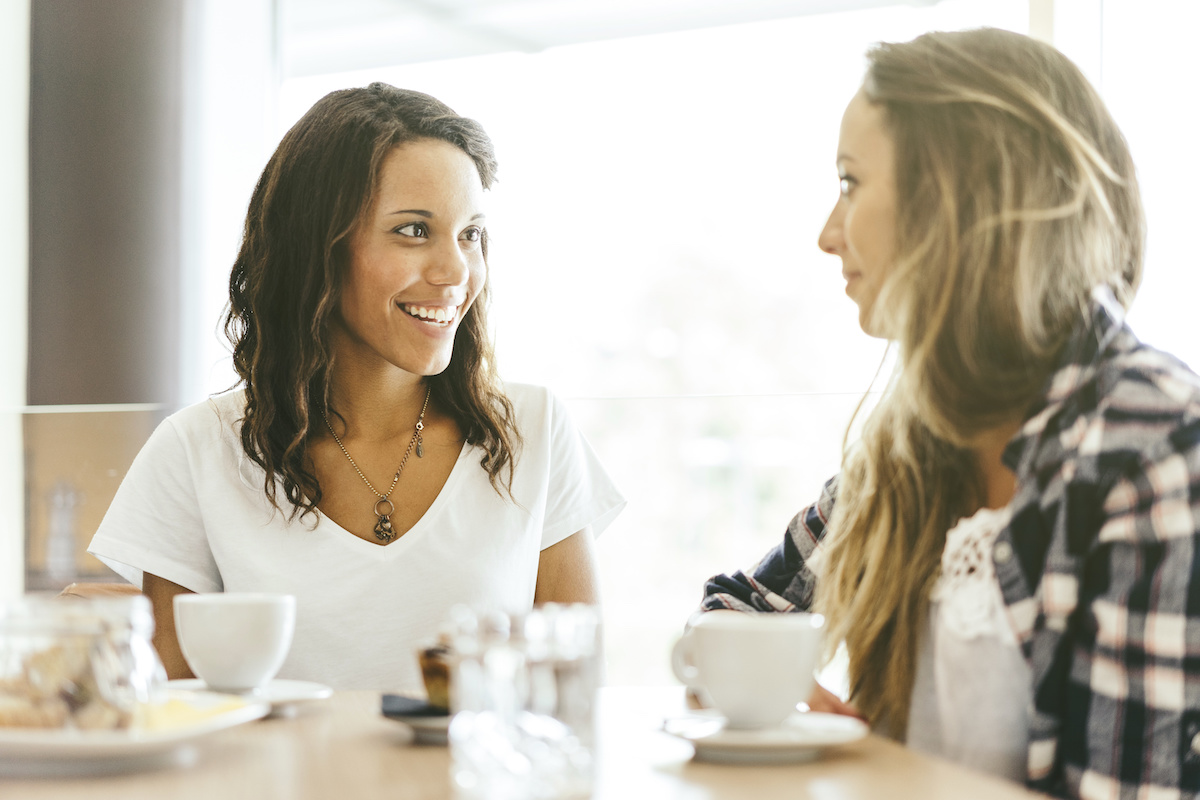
[(192, 510)]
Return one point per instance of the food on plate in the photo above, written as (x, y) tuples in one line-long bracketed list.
[(55, 687)]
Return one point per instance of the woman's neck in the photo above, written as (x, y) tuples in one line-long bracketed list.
[(377, 404), (999, 482)]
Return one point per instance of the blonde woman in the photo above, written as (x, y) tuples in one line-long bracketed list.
[(1010, 551)]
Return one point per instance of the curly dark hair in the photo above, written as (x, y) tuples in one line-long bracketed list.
[(287, 280)]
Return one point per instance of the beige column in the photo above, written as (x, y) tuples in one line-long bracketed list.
[(14, 272)]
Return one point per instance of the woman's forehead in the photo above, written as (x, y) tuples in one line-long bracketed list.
[(863, 133)]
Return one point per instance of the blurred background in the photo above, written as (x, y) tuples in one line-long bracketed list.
[(665, 167)]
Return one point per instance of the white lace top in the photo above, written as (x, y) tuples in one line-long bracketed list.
[(973, 691)]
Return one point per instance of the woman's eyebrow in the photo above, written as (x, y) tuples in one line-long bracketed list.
[(428, 214)]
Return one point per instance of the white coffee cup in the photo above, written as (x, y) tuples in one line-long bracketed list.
[(235, 642), (753, 668)]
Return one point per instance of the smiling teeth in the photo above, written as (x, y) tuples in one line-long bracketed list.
[(442, 316)]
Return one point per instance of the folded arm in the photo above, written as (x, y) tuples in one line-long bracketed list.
[(162, 598), (782, 580)]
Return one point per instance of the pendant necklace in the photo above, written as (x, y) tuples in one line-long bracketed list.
[(383, 528)]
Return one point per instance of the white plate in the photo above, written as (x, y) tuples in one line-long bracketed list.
[(801, 737), (167, 740), (279, 693)]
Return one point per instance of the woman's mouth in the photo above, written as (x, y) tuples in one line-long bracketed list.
[(440, 316)]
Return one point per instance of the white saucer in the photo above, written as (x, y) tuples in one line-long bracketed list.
[(279, 693), (429, 725), (165, 739), (801, 737), (428, 730)]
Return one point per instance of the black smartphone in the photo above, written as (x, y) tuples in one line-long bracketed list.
[(398, 705)]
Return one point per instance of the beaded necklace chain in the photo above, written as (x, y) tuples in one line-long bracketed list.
[(383, 527)]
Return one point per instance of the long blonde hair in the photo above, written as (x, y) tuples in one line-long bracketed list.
[(1016, 196)]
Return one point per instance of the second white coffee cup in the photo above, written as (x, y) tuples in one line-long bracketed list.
[(753, 668), (235, 641)]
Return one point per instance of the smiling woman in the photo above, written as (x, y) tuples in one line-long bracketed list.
[(416, 260), (412, 479), (406, 286)]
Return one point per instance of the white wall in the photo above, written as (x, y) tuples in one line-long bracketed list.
[(14, 267), (231, 81)]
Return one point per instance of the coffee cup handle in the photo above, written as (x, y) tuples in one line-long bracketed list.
[(680, 662)]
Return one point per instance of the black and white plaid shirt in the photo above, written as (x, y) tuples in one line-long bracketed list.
[(1099, 568)]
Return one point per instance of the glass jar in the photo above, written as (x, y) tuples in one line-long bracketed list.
[(524, 690), (83, 664)]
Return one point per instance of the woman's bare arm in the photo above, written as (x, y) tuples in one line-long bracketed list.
[(567, 571), (162, 597)]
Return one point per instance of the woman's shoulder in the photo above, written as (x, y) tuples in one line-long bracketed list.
[(1146, 408), (542, 419), (1143, 380), (218, 415), (533, 406), (527, 395)]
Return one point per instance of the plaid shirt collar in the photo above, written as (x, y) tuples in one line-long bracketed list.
[(1064, 391)]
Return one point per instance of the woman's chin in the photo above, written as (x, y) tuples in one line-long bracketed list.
[(432, 367), (871, 324)]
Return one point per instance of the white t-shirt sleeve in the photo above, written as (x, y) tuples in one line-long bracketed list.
[(154, 524), (580, 492)]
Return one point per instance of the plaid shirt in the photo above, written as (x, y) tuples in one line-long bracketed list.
[(1099, 568)]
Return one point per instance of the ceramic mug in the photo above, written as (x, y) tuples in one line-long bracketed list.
[(753, 668), (235, 642)]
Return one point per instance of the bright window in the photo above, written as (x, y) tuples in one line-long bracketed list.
[(655, 262), (1149, 69)]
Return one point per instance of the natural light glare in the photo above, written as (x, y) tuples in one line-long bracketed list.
[(655, 262), (1149, 69)]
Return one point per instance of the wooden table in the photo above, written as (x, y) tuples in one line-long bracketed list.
[(342, 749)]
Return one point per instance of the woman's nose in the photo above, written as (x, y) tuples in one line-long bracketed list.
[(830, 239), (450, 265)]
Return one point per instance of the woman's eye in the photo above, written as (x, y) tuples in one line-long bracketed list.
[(472, 234), (846, 185), (417, 229)]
